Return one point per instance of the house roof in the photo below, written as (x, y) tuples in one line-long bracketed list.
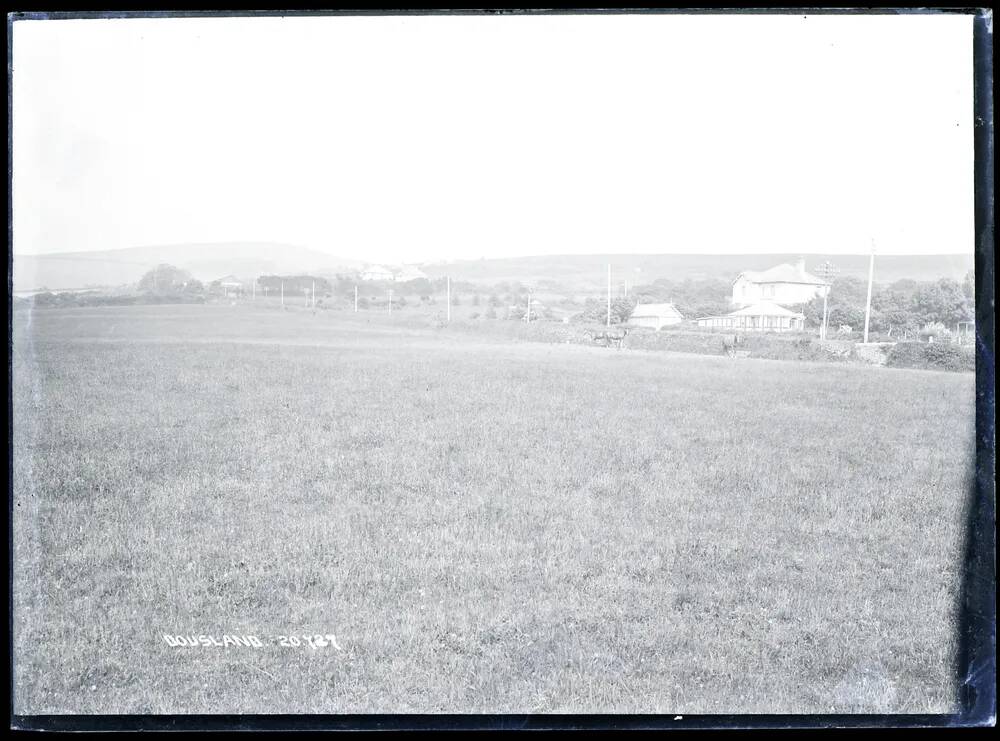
[(765, 308), (761, 308), (655, 310), (783, 273)]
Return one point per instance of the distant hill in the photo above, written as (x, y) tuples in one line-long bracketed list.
[(589, 272), (206, 262)]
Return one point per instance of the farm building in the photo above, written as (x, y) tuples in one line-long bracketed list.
[(377, 272), (229, 284), (655, 315), (782, 284), (759, 317)]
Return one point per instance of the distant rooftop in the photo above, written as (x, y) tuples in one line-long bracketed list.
[(655, 310), (761, 308), (764, 308)]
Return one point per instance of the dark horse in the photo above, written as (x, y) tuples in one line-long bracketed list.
[(609, 338), (729, 347)]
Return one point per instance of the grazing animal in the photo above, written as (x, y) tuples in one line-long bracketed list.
[(729, 348), (609, 338), (618, 338)]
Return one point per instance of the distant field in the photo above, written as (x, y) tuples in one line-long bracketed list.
[(486, 526)]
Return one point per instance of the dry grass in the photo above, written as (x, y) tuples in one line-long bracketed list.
[(486, 527)]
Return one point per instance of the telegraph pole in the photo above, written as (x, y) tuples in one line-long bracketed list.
[(609, 295), (822, 329), (826, 271), (868, 301), (314, 295)]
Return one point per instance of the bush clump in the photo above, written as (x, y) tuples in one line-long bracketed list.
[(931, 356)]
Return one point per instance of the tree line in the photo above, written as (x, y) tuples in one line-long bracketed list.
[(903, 306)]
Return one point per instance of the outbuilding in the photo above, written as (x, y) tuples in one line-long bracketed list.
[(229, 284), (655, 316)]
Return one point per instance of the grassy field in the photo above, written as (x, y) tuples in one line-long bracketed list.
[(485, 526)]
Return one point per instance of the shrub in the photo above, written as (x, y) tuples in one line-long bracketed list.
[(96, 299), (933, 356), (165, 279), (949, 357)]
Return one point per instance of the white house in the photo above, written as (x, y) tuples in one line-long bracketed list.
[(655, 316), (229, 284), (762, 316), (377, 272), (782, 284)]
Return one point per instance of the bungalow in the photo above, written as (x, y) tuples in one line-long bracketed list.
[(655, 316), (782, 284), (762, 316)]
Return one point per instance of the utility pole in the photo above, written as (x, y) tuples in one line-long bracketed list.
[(355, 299), (314, 295), (609, 295), (826, 271), (447, 298), (868, 301), (822, 329)]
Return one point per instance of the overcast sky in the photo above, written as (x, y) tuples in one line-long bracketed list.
[(414, 138)]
